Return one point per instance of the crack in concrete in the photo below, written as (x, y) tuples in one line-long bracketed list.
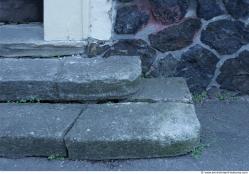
[(71, 126)]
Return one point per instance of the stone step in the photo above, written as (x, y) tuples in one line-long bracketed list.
[(162, 90), (133, 130), (27, 40), (151, 124), (69, 79), (31, 130)]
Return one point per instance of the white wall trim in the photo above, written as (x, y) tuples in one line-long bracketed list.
[(76, 20), (85, 18), (101, 19)]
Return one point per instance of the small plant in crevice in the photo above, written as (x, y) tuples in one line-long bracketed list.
[(197, 151), (226, 96), (31, 100), (55, 157), (200, 97), (221, 97)]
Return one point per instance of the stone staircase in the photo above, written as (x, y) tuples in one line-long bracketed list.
[(94, 109), (153, 117)]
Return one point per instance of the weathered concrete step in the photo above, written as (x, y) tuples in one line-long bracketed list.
[(162, 90), (134, 130), (68, 79), (109, 131), (35, 129), (27, 40), (167, 126)]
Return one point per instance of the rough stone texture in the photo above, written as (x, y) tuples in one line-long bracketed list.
[(28, 79), (21, 11), (174, 25), (198, 66), (164, 67), (35, 129), (134, 130), (209, 9), (237, 8), (99, 79), (225, 36), (169, 11), (69, 78), (235, 73), (162, 90), (96, 48), (129, 20), (129, 47), (26, 40), (222, 132), (175, 37)]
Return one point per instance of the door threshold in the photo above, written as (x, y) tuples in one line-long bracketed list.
[(27, 40)]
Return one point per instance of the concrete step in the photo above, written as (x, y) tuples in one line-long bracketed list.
[(69, 79), (150, 124), (28, 130), (27, 40), (162, 90), (133, 130)]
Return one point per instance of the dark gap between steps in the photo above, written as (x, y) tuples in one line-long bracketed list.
[(99, 102), (64, 102)]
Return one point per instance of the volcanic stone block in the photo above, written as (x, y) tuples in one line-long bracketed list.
[(130, 19), (197, 66), (175, 37), (134, 130), (225, 36), (209, 9), (35, 129), (237, 8), (169, 11), (234, 73)]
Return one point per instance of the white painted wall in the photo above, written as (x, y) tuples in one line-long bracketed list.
[(101, 19), (63, 20), (75, 20)]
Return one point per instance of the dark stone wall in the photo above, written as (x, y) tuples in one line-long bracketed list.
[(21, 11), (205, 41)]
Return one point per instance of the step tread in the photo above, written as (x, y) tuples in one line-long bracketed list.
[(134, 130), (35, 129), (71, 78)]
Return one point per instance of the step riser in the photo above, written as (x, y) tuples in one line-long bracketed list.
[(65, 92), (31, 147), (130, 150), (27, 40), (69, 79), (39, 51)]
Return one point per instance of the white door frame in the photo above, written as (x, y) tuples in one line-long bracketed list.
[(76, 20)]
